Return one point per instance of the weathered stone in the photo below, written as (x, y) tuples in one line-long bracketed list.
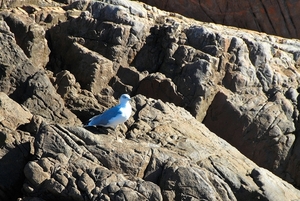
[(82, 167), (185, 167), (86, 183), (29, 85), (264, 179), (190, 183), (12, 115), (41, 99), (14, 154), (81, 102), (159, 87), (35, 173), (15, 67), (29, 36), (91, 70), (272, 17), (47, 16), (17, 3), (266, 120), (243, 85)]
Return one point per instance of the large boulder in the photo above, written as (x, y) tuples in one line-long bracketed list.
[(272, 17), (15, 66), (195, 63), (14, 147), (29, 35), (241, 84), (155, 157), (28, 84), (12, 115)]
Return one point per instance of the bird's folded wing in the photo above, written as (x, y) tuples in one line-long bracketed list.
[(105, 117)]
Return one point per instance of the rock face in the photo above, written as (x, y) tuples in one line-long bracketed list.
[(272, 17), (158, 158), (191, 84)]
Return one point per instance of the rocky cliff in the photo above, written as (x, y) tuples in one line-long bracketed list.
[(215, 108), (272, 17)]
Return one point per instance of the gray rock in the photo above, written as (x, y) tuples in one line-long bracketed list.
[(35, 173), (12, 115), (41, 99), (15, 66), (241, 84), (254, 15), (30, 36), (174, 159), (15, 152)]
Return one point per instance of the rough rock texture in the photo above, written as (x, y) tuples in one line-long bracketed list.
[(28, 84), (29, 36), (273, 17), (158, 158), (242, 85), (15, 147)]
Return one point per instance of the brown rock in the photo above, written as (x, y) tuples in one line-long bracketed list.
[(17, 3), (12, 115), (158, 86), (176, 155), (243, 84), (14, 154), (81, 102), (29, 36), (35, 173), (41, 99), (86, 175), (91, 70), (46, 16), (15, 66), (272, 17), (29, 85), (266, 120)]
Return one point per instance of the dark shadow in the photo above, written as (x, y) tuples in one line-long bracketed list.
[(98, 129), (11, 171)]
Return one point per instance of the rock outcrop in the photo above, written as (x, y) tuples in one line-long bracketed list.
[(192, 84), (272, 17), (156, 157)]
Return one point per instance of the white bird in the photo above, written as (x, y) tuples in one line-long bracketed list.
[(115, 115)]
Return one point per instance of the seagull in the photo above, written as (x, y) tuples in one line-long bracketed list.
[(115, 115)]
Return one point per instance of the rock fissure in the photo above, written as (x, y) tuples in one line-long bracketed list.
[(241, 84)]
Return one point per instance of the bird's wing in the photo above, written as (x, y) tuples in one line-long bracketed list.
[(103, 119)]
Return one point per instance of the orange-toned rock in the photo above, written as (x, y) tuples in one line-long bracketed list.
[(273, 17)]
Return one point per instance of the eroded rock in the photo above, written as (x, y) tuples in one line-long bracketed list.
[(254, 15), (243, 85), (12, 115), (29, 35), (171, 160)]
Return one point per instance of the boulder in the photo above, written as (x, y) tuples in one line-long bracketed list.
[(17, 3), (91, 70), (272, 17), (15, 66), (12, 115), (15, 147), (159, 87), (29, 35), (69, 166), (243, 86), (41, 98), (29, 85), (15, 152), (170, 158), (116, 40), (80, 101)]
